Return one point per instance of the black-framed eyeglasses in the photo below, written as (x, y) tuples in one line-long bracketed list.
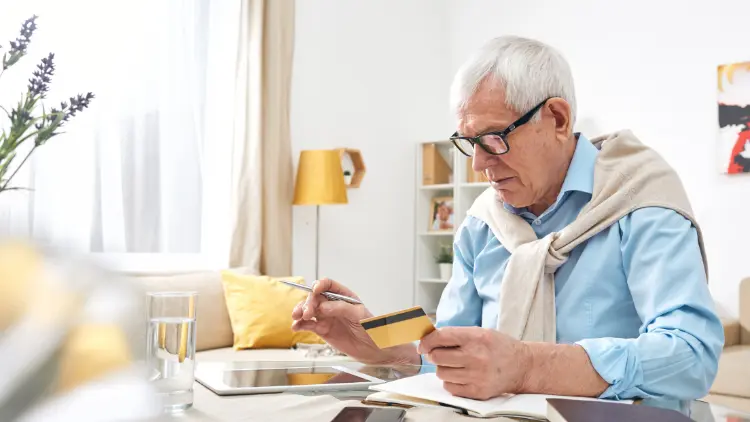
[(495, 143)]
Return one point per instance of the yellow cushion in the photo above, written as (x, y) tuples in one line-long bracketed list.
[(260, 309)]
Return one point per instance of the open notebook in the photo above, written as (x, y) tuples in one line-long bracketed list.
[(427, 390)]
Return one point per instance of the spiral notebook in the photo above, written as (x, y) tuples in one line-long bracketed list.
[(427, 390)]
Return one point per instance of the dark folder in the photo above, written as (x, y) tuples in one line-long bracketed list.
[(565, 410)]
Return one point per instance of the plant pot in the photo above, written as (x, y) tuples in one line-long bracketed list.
[(445, 271), (347, 180)]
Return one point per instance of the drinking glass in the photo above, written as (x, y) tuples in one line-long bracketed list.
[(171, 347)]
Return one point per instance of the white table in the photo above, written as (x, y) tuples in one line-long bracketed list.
[(323, 407)]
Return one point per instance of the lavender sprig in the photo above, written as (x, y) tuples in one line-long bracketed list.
[(18, 47), (77, 104), (25, 122), (47, 127), (39, 84)]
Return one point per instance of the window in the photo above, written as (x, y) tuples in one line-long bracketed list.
[(143, 175)]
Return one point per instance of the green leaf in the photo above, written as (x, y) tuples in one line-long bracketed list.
[(15, 188), (446, 255), (6, 164), (13, 60)]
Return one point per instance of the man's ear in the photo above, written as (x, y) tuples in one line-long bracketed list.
[(560, 110)]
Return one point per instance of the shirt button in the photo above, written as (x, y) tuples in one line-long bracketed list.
[(537, 222)]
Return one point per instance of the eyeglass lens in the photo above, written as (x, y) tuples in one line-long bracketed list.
[(493, 143)]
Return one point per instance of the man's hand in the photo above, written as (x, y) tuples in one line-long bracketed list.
[(477, 363), (337, 322), (480, 363)]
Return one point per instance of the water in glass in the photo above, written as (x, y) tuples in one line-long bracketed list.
[(171, 348)]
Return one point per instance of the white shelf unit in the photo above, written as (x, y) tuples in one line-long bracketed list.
[(428, 286)]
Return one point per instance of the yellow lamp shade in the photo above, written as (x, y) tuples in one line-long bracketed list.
[(320, 179)]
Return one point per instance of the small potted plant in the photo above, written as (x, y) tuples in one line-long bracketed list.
[(347, 177), (445, 262)]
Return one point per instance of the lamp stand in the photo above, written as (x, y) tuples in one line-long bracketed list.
[(317, 240)]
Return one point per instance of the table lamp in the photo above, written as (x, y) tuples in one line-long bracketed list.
[(320, 181)]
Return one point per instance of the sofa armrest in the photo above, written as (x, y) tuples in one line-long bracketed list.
[(731, 332), (745, 311)]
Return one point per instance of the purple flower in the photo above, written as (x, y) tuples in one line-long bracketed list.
[(39, 84), (18, 47)]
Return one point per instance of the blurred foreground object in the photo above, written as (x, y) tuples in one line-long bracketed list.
[(72, 340)]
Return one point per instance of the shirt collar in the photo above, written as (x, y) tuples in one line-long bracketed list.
[(580, 174)]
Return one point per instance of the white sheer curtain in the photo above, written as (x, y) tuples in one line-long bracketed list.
[(146, 169)]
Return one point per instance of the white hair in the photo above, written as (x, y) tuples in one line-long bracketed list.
[(529, 70)]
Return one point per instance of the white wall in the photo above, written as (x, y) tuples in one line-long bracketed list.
[(374, 75), (649, 66), (370, 75)]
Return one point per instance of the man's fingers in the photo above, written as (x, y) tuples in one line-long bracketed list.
[(442, 337), (453, 375), (461, 390), (297, 312), (315, 298), (328, 285), (310, 306), (454, 388), (453, 357), (322, 285), (318, 327), (302, 325), (339, 309)]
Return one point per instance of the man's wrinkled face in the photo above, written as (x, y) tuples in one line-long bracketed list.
[(521, 177)]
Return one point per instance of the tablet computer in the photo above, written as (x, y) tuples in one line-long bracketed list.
[(245, 378)]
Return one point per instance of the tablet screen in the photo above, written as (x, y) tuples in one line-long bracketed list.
[(275, 377)]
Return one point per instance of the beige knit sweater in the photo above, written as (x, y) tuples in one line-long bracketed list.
[(627, 176)]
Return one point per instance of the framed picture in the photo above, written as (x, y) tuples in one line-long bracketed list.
[(441, 214), (734, 118)]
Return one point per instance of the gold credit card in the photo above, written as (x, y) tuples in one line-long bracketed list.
[(398, 327)]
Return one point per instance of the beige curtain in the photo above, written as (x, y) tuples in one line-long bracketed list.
[(262, 179)]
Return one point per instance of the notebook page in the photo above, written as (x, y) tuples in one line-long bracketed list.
[(430, 387)]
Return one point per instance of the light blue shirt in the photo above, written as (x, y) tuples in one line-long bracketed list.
[(634, 296)]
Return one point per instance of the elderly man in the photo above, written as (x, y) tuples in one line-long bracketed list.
[(580, 272)]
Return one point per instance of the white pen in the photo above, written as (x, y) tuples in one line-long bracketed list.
[(329, 295)]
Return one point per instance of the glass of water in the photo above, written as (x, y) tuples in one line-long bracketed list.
[(171, 347)]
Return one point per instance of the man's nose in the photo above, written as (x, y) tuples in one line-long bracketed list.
[(482, 159)]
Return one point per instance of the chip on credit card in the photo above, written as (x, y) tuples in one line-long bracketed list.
[(398, 327)]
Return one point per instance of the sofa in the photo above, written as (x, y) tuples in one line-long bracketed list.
[(732, 384)]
